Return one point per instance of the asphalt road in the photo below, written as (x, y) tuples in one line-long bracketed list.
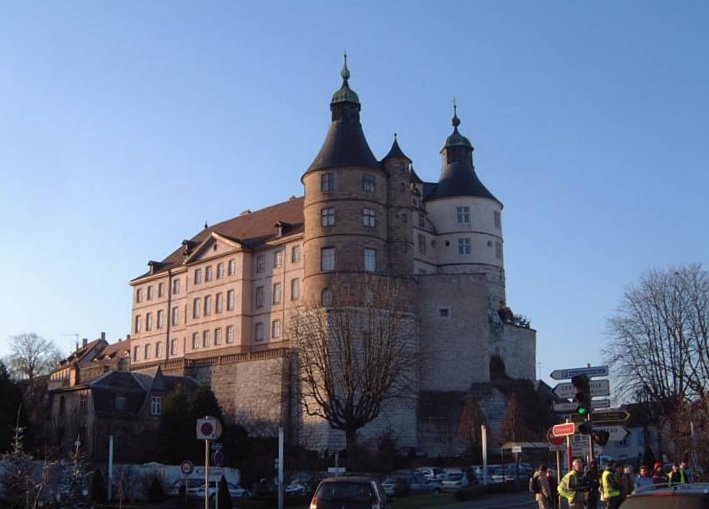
[(522, 500)]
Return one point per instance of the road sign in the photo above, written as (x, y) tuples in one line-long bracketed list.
[(208, 428), (566, 407), (562, 430), (186, 467), (554, 440), (612, 416), (597, 404), (516, 449), (616, 432), (600, 387), (562, 374)]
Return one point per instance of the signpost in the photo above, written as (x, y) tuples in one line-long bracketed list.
[(563, 374), (566, 407), (597, 404), (600, 387), (615, 416), (208, 428), (564, 429), (615, 432)]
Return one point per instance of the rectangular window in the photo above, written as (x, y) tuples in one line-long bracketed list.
[(463, 214), (276, 329), (208, 273), (175, 286), (422, 220), (148, 321), (136, 350), (259, 296), (205, 338), (327, 259), (195, 340), (404, 217), (146, 352), (422, 244), (231, 270), (463, 246), (277, 293), (498, 220), (175, 317), (230, 300), (138, 324), (197, 276), (218, 303), (295, 289), (156, 405), (150, 293), (295, 254), (370, 260), (196, 307), (207, 305), (161, 289), (498, 250), (368, 183), (173, 347), (230, 334), (139, 295), (258, 336), (161, 318), (444, 312), (220, 270), (327, 216), (158, 349), (327, 182), (218, 336), (260, 263), (83, 403), (278, 258), (369, 218)]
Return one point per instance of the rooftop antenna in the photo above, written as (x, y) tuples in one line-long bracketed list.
[(76, 337)]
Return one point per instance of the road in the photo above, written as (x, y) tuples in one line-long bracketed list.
[(522, 499)]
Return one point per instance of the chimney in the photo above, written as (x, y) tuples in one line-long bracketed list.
[(84, 342), (127, 337), (103, 336)]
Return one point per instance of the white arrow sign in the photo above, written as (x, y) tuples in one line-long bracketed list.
[(600, 387), (565, 407), (615, 433), (597, 404), (562, 374)]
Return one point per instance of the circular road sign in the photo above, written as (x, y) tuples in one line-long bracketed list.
[(553, 440), (186, 467)]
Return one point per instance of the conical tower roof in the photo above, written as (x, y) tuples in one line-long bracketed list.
[(345, 144), (395, 151)]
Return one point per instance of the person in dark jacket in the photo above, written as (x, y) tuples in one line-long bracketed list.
[(553, 492), (591, 481)]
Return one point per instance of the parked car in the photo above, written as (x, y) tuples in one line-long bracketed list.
[(235, 491), (355, 492), (455, 481), (684, 496), (431, 473), (397, 485), (419, 484)]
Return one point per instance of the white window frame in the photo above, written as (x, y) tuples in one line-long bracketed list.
[(156, 405), (370, 260), (258, 332), (327, 182), (463, 214), (220, 270), (230, 334), (277, 293), (259, 298), (276, 329), (327, 216), (327, 259), (464, 246), (230, 296), (369, 218), (295, 254), (295, 289)]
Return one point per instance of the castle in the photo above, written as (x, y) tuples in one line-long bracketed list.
[(217, 307)]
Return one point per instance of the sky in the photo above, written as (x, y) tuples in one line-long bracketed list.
[(124, 126)]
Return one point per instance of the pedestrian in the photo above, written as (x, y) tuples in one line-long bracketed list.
[(684, 467), (553, 489), (644, 480), (540, 487), (591, 482), (676, 476), (570, 486), (609, 485), (658, 475), (626, 481)]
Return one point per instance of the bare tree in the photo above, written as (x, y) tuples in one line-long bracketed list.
[(32, 355), (471, 419), (356, 355), (514, 426), (659, 348)]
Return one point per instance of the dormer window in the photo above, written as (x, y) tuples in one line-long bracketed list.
[(156, 405)]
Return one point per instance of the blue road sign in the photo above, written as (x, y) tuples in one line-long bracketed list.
[(562, 374)]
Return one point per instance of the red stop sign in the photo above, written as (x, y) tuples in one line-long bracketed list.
[(207, 428), (554, 440)]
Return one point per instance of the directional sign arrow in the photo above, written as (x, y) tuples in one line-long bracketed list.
[(616, 432), (597, 404), (562, 374), (565, 407), (600, 387), (610, 416)]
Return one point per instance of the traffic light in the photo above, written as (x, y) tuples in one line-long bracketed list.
[(585, 428), (583, 394), (601, 437)]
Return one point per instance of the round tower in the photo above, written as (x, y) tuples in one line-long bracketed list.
[(345, 209), (468, 217)]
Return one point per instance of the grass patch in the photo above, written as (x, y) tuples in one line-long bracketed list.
[(423, 501)]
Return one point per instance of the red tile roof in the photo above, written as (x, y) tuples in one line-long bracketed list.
[(250, 229), (119, 348)]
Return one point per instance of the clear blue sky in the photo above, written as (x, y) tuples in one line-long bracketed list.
[(124, 125)]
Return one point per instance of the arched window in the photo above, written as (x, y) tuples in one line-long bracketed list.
[(326, 297)]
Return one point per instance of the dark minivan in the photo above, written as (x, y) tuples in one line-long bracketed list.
[(359, 492)]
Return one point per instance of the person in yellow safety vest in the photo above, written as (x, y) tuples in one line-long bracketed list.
[(609, 485), (676, 476), (570, 486)]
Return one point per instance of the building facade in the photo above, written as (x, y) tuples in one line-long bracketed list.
[(217, 307)]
